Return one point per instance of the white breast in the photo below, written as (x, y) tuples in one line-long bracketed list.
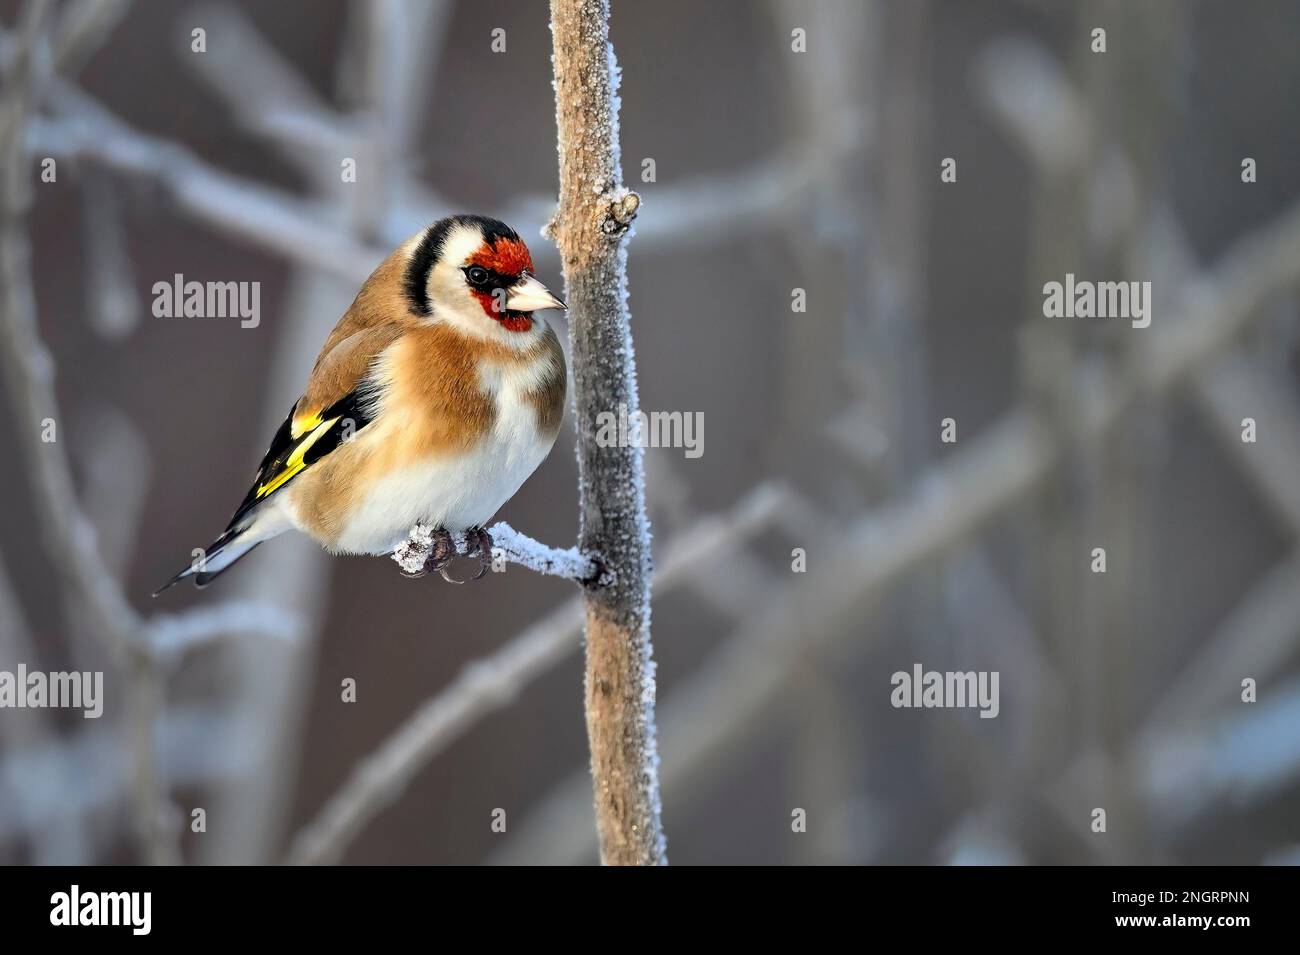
[(462, 491)]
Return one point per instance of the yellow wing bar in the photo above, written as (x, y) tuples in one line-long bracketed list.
[(305, 423), (295, 462)]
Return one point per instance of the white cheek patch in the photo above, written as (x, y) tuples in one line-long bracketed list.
[(461, 243), (452, 301), (472, 321), (446, 282)]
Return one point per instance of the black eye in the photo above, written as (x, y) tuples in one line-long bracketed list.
[(477, 275)]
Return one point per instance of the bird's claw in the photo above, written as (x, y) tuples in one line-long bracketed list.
[(483, 547), (440, 557), (477, 541)]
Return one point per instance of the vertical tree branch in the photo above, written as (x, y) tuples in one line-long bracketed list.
[(594, 214)]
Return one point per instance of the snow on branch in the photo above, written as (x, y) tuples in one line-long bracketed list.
[(508, 546), (590, 227)]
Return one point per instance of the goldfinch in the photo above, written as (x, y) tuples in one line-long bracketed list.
[(433, 399)]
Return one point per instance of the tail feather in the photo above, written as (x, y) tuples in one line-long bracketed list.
[(218, 557)]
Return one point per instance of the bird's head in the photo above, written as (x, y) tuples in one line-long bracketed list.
[(478, 274)]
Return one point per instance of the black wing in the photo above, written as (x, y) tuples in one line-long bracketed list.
[(289, 456)]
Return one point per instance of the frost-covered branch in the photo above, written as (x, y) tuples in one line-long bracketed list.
[(508, 546), (594, 215)]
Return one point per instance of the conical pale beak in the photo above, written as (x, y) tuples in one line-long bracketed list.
[(530, 295)]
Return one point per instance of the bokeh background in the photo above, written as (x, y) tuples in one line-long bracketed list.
[(774, 170)]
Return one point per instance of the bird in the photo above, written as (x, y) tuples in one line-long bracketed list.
[(434, 398)]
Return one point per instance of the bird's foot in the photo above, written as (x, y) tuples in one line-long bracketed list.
[(479, 541), (440, 557), (444, 552)]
